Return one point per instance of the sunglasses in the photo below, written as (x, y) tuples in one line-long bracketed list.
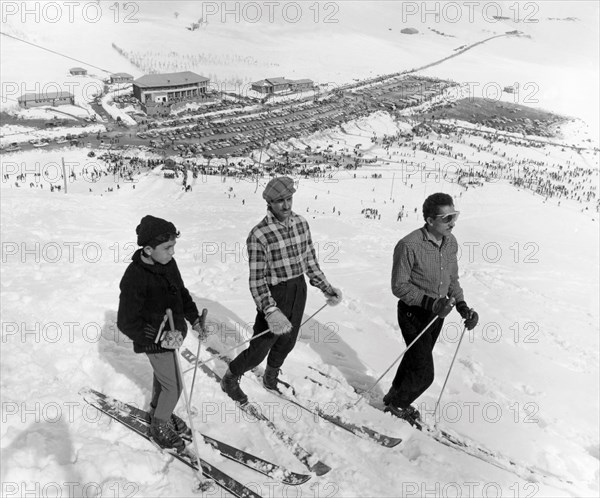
[(448, 217)]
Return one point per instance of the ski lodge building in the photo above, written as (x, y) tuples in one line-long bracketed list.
[(169, 87), (121, 78), (78, 71), (279, 85), (157, 92), (28, 100)]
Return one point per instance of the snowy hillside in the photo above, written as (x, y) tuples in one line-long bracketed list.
[(524, 385), (328, 42)]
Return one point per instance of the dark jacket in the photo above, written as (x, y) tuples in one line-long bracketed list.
[(146, 292)]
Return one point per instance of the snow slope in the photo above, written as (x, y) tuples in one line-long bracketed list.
[(328, 42), (525, 383)]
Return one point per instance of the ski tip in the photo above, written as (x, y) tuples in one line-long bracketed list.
[(296, 479), (392, 442), (320, 468)]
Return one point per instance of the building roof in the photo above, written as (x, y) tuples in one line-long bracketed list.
[(167, 79), (27, 97), (280, 81), (78, 69), (277, 81)]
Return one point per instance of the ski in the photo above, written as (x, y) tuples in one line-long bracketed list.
[(358, 430), (253, 462), (309, 460), (136, 425), (484, 454), (466, 445)]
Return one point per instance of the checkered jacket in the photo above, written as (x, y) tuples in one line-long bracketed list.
[(278, 253)]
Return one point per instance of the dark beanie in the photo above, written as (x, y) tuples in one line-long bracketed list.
[(279, 188), (151, 227)]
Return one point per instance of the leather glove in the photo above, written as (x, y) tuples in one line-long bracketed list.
[(278, 322), (173, 339), (469, 315), (442, 306), (334, 296), (200, 326)]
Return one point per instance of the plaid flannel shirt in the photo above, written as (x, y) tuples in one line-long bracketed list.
[(421, 267), (277, 253)]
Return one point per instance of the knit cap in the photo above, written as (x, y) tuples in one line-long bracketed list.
[(151, 227)]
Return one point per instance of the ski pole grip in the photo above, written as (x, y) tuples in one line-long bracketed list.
[(160, 330), (203, 318), (170, 316)]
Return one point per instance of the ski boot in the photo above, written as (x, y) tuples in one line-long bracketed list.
[(410, 414), (164, 436), (180, 427), (230, 384), (270, 379)]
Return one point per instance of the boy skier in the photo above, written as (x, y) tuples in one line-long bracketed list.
[(151, 284)]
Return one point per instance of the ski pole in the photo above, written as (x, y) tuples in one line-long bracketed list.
[(160, 330), (312, 316), (451, 303), (362, 395), (202, 321), (225, 353), (448, 375), (202, 482)]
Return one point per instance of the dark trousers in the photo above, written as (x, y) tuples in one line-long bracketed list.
[(290, 297), (166, 385), (416, 371)]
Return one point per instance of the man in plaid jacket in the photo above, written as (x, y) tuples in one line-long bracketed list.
[(280, 251)]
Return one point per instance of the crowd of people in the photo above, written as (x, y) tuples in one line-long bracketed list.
[(468, 156), (509, 158)]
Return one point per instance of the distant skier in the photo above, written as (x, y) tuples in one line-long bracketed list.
[(425, 281), (151, 284), (280, 252)]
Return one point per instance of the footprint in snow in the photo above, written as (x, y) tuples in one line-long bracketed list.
[(529, 390), (472, 366)]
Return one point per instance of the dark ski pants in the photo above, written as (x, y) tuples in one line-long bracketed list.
[(290, 297), (166, 384), (416, 371)]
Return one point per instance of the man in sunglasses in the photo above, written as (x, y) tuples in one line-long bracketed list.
[(425, 281)]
